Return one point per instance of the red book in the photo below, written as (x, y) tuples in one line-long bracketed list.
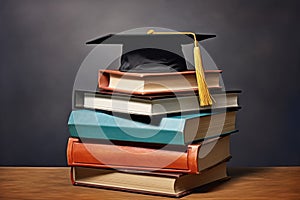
[(190, 159)]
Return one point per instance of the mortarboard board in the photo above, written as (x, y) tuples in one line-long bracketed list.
[(150, 52), (159, 52)]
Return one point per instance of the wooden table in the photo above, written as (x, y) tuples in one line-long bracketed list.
[(54, 183)]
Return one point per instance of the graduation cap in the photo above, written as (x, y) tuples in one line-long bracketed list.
[(159, 52)]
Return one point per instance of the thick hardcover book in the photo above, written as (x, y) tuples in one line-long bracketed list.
[(164, 184), (191, 159), (154, 83), (177, 130), (151, 105)]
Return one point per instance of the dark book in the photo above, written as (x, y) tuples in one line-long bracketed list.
[(152, 105)]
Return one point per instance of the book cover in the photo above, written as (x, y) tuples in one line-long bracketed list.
[(154, 83), (177, 130), (151, 105), (163, 184), (191, 159)]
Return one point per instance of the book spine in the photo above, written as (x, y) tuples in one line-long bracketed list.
[(103, 79), (116, 133), (70, 149), (132, 158), (192, 158), (72, 176)]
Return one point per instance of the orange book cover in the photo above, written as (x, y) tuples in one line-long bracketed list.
[(143, 157)]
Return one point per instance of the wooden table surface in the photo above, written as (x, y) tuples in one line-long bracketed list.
[(54, 183)]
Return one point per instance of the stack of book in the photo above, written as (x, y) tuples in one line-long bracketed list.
[(145, 132)]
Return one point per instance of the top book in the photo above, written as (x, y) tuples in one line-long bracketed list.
[(155, 83)]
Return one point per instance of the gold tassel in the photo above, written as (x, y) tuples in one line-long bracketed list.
[(204, 95), (205, 98)]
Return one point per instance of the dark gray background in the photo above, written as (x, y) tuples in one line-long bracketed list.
[(42, 47)]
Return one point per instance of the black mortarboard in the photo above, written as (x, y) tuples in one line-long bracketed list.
[(151, 52), (160, 52)]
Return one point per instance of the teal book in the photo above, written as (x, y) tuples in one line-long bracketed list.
[(177, 130)]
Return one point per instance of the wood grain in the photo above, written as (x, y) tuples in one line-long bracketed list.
[(54, 183)]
